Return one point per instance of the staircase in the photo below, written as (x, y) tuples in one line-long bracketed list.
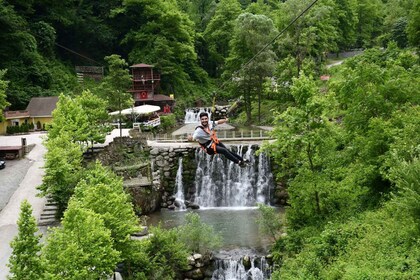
[(48, 215)]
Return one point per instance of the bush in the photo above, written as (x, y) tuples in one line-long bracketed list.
[(167, 122), (198, 236)]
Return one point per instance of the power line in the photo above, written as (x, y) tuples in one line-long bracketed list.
[(273, 40), (85, 57), (70, 50)]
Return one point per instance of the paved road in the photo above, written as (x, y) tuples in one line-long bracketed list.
[(18, 181)]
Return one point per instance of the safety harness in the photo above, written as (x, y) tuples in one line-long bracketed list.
[(212, 142)]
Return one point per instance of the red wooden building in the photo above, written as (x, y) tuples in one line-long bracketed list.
[(145, 84)]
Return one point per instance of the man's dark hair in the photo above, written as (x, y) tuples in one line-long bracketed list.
[(203, 114)]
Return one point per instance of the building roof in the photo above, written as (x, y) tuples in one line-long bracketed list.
[(142, 65), (16, 114), (42, 106), (161, 97)]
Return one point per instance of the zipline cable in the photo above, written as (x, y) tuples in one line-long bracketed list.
[(268, 44), (70, 50)]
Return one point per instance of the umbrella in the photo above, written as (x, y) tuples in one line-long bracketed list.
[(138, 110)]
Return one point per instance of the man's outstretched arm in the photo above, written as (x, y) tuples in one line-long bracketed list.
[(222, 121)]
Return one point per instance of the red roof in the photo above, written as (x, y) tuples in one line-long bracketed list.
[(141, 65)]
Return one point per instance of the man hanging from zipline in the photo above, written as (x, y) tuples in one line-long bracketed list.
[(207, 139)]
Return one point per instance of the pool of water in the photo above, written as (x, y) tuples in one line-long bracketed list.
[(237, 226)]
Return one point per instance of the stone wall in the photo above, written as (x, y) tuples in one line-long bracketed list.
[(151, 182), (164, 163)]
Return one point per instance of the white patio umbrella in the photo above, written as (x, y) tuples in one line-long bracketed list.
[(138, 110)]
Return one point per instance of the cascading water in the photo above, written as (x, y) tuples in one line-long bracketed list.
[(179, 196), (230, 269), (221, 183), (193, 115)]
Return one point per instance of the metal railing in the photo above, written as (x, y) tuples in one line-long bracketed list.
[(224, 135), (153, 123)]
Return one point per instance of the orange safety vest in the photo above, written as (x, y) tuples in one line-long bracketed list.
[(213, 140)]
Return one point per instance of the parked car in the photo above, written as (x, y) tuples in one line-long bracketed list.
[(2, 164)]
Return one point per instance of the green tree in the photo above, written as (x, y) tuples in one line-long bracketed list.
[(252, 33), (101, 191), (114, 87), (370, 18), (219, 32), (413, 26), (167, 253), (199, 11), (345, 12), (27, 70), (269, 221), (198, 236), (160, 34), (82, 117), (63, 166), (68, 117), (312, 36), (96, 128), (25, 262), (3, 87), (82, 248)]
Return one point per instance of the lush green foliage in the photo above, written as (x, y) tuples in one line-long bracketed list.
[(114, 87), (78, 122), (82, 248), (198, 236), (186, 40), (348, 154), (249, 37), (269, 222), (101, 191), (3, 87), (83, 117), (63, 167), (161, 256), (25, 262)]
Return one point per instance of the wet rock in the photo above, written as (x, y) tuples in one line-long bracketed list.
[(154, 151), (194, 206), (197, 257), (246, 261), (194, 274), (199, 264), (191, 260), (143, 232), (171, 207)]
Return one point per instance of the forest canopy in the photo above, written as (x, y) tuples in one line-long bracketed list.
[(193, 44)]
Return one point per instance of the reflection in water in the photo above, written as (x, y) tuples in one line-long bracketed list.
[(237, 226)]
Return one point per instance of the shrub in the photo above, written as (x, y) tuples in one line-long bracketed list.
[(198, 236)]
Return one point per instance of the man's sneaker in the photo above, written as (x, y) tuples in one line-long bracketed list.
[(242, 163), (246, 161)]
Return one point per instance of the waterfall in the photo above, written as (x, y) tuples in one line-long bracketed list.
[(221, 183), (230, 269), (179, 196), (193, 115)]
